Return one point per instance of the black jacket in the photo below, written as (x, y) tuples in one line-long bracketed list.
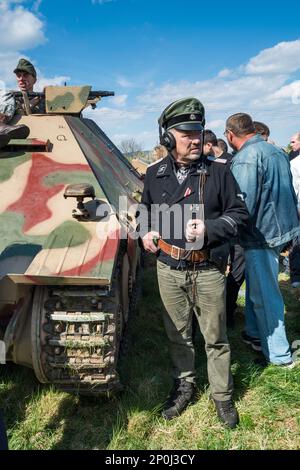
[(224, 209)]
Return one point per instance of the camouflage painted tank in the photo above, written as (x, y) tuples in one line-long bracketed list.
[(67, 263)]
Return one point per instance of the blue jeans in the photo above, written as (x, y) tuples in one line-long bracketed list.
[(264, 304)]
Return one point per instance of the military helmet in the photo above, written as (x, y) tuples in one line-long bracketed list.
[(186, 114), (25, 66)]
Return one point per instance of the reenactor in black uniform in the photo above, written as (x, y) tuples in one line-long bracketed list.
[(191, 208)]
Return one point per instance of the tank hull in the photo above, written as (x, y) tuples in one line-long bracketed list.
[(67, 276)]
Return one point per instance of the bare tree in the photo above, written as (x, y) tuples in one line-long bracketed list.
[(130, 146)]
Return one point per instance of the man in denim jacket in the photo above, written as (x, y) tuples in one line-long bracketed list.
[(263, 173)]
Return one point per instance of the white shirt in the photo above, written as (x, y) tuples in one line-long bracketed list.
[(295, 169)]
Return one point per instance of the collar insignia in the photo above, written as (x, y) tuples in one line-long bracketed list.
[(161, 169)]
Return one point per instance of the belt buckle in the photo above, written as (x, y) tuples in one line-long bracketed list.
[(177, 257)]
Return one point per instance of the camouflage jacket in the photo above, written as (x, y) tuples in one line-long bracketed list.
[(7, 104), (10, 105)]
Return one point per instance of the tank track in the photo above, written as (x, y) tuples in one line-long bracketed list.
[(77, 338)]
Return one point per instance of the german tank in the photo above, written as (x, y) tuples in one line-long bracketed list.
[(68, 259)]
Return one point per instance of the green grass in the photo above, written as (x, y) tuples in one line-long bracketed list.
[(40, 417)]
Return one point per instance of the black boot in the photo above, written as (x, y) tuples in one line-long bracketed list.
[(14, 132), (227, 413), (3, 140), (181, 395)]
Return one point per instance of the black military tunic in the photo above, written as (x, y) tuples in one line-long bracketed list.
[(224, 209)]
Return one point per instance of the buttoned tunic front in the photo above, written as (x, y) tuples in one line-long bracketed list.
[(223, 209)]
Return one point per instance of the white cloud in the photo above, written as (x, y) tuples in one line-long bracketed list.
[(20, 29), (216, 124), (265, 87), (8, 63), (113, 118), (121, 124), (119, 137), (282, 58), (147, 139), (119, 100), (6, 4), (218, 94), (124, 83), (224, 73), (282, 96), (57, 80)]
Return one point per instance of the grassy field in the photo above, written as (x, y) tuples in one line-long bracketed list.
[(268, 400)]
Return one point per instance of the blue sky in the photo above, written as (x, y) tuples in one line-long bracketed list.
[(231, 57)]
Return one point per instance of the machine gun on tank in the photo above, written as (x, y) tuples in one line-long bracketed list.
[(36, 94), (62, 99)]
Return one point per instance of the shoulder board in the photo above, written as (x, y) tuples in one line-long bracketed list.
[(156, 161), (217, 160)]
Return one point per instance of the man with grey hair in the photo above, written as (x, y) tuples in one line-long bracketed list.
[(295, 146), (263, 173), (192, 252), (294, 255)]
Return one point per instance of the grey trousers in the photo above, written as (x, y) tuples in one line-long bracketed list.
[(207, 300)]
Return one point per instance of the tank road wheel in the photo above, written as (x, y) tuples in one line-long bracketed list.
[(76, 335), (38, 336), (77, 332)]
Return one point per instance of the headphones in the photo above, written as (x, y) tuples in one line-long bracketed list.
[(167, 139)]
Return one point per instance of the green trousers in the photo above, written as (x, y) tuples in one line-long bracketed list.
[(207, 300)]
